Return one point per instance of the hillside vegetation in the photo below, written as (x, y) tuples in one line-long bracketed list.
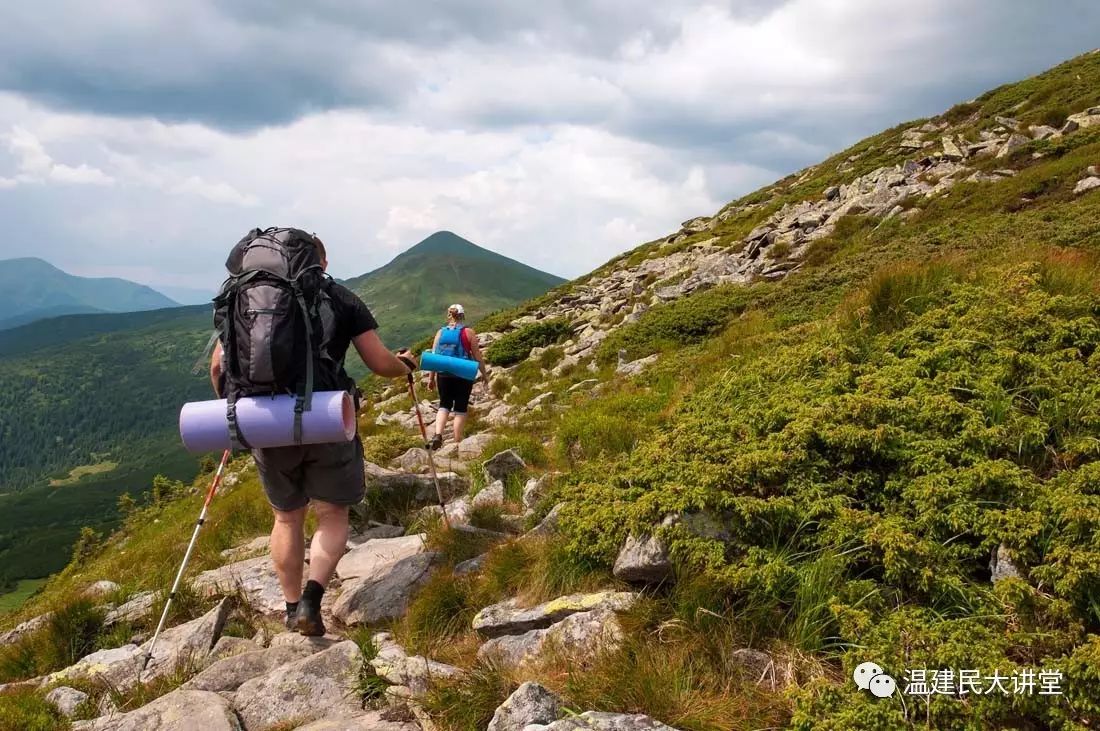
[(853, 416)]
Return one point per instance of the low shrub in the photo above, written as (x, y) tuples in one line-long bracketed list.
[(516, 345)]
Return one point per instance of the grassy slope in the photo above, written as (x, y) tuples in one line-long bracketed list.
[(871, 427)]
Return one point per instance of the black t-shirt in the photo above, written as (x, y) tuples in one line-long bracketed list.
[(350, 318)]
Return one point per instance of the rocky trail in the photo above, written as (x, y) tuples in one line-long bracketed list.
[(280, 680)]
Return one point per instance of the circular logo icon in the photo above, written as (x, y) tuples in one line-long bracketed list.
[(883, 686), (864, 672)]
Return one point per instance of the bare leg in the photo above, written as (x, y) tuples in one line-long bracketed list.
[(441, 421), (458, 425), (329, 542), (288, 551)]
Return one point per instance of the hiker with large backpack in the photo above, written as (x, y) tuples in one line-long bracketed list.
[(284, 327), (456, 340)]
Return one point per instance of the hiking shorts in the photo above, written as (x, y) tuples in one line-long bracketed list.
[(331, 473), (454, 393)]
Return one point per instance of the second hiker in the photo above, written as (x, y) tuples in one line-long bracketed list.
[(458, 341)]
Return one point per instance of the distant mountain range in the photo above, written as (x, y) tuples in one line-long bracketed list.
[(410, 294), (105, 389), (33, 289)]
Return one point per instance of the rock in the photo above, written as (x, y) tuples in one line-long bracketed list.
[(472, 446), (643, 559), (635, 367), (383, 595), (186, 644), (180, 710), (470, 566), (536, 489), (66, 699), (951, 151), (418, 489), (1069, 127), (530, 703), (832, 192), (375, 530), (549, 524), (228, 674), (757, 665), (414, 672), (503, 464), (696, 225), (254, 577), (1086, 184), (258, 544), (374, 557), (137, 607), (367, 721), (579, 638), (493, 494), (227, 646), (538, 401), (1042, 132), (500, 415), (507, 618), (458, 511), (100, 589), (1013, 143), (1001, 565), (1083, 120), (302, 691), (600, 721), (312, 644), (412, 460), (24, 628), (118, 667), (1007, 122)]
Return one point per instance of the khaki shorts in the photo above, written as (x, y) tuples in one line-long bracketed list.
[(293, 476)]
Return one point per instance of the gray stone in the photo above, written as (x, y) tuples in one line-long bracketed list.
[(1042, 132), (412, 460), (134, 609), (24, 628), (1086, 184), (415, 672), (188, 644), (470, 566), (492, 494), (600, 721), (503, 464), (66, 699), (643, 559), (950, 150), (579, 639), (458, 511), (1001, 565), (374, 557), (311, 644), (377, 530), (304, 690), (548, 525), (384, 595), (415, 488), (635, 367), (366, 721), (1013, 143), (257, 545), (118, 666), (472, 446), (254, 577), (180, 710), (227, 646), (536, 489), (100, 589), (832, 192), (228, 674), (508, 618), (530, 703)]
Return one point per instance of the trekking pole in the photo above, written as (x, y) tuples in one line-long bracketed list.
[(187, 556), (431, 460)]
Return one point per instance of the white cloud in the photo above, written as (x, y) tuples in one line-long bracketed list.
[(35, 165)]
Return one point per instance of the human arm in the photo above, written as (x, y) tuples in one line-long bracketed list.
[(378, 358), (431, 374), (475, 352), (216, 368)]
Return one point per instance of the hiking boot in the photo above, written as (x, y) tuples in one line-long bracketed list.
[(308, 618), (435, 444), (292, 618)]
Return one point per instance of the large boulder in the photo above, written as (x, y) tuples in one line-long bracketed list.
[(1084, 185), (643, 559), (530, 703), (384, 595), (117, 667), (507, 618), (180, 710), (254, 577), (228, 674), (414, 672), (503, 464), (302, 691), (376, 556), (578, 638), (600, 721), (492, 494), (416, 489), (66, 699)]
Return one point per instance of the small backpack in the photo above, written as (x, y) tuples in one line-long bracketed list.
[(269, 318), (450, 342)]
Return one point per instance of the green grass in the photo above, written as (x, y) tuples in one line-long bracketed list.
[(78, 473), (23, 590)]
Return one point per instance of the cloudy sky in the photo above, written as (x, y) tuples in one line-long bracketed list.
[(142, 139)]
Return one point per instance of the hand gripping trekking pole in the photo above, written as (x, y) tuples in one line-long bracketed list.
[(431, 460), (187, 556)]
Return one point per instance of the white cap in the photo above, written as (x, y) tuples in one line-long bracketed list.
[(457, 308)]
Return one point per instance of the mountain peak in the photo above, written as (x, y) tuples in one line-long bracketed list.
[(444, 242)]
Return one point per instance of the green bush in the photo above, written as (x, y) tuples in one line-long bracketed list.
[(689, 320), (70, 634), (22, 709), (514, 346)]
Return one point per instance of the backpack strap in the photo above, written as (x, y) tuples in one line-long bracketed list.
[(237, 442), (304, 401)]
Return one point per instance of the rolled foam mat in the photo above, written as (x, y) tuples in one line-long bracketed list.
[(461, 367), (268, 421)]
